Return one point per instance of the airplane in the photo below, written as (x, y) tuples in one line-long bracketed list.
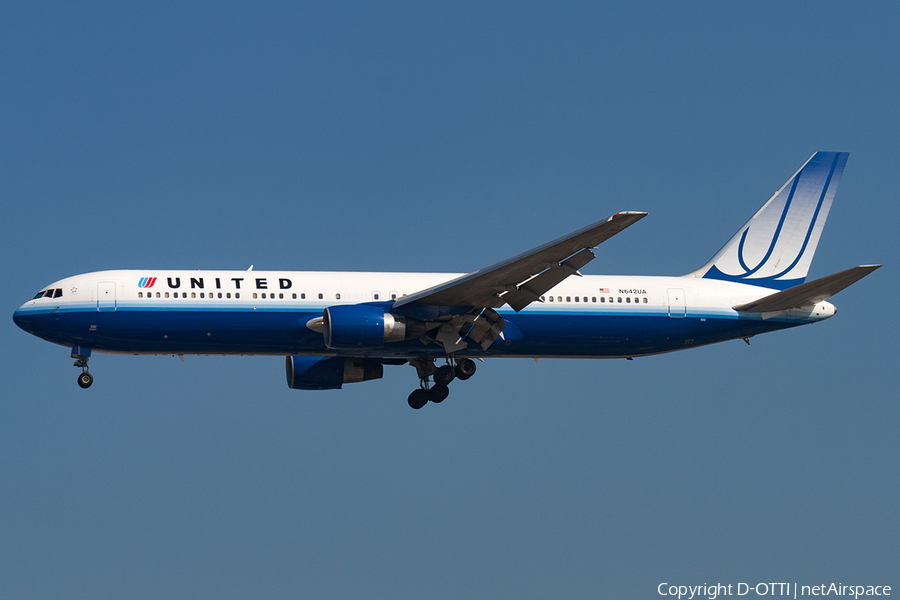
[(344, 327)]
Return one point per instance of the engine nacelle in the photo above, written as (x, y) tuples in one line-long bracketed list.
[(351, 326), (329, 373)]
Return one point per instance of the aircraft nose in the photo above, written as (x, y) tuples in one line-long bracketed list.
[(20, 319)]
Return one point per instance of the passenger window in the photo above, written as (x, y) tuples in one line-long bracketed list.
[(559, 298), (193, 294), (551, 298), (237, 294), (320, 296), (220, 294), (201, 295), (294, 296), (254, 295), (645, 300), (568, 298), (375, 295), (157, 294), (593, 298), (577, 299), (620, 299), (337, 296), (167, 294), (628, 300), (393, 295), (140, 294), (228, 295), (303, 296), (602, 299), (280, 296)]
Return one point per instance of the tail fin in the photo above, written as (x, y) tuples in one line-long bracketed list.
[(775, 247)]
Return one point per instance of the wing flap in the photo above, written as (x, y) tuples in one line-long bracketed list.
[(807, 293)]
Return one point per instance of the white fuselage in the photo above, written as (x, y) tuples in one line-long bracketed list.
[(266, 312)]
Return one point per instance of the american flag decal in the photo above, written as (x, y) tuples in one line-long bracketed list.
[(604, 290)]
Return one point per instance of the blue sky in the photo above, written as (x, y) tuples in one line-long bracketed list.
[(418, 138)]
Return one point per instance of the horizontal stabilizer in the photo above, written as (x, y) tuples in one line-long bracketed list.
[(808, 293)]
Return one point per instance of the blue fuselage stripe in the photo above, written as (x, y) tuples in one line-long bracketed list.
[(201, 329)]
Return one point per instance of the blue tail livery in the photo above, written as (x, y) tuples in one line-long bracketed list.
[(775, 247)]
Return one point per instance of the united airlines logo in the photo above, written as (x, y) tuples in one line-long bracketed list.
[(807, 199), (776, 246), (146, 282)]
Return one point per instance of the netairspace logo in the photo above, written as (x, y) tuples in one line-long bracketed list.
[(771, 589)]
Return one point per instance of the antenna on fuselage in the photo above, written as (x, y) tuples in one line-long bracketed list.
[(251, 268)]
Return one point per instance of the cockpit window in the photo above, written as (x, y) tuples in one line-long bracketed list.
[(40, 294), (57, 293), (48, 294)]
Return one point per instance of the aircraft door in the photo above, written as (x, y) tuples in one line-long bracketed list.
[(106, 296), (677, 306)]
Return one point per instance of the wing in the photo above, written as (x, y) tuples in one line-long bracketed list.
[(522, 279)]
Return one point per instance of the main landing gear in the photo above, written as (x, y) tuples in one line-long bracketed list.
[(81, 356), (438, 391)]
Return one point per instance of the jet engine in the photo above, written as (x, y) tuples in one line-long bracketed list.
[(329, 373), (350, 326)]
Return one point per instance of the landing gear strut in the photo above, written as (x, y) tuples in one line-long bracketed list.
[(81, 356), (438, 391)]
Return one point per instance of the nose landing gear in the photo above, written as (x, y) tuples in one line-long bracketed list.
[(438, 391), (85, 380), (81, 356)]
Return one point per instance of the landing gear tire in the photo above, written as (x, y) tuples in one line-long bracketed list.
[(438, 393), (85, 380), (444, 375), (465, 369), (418, 399)]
